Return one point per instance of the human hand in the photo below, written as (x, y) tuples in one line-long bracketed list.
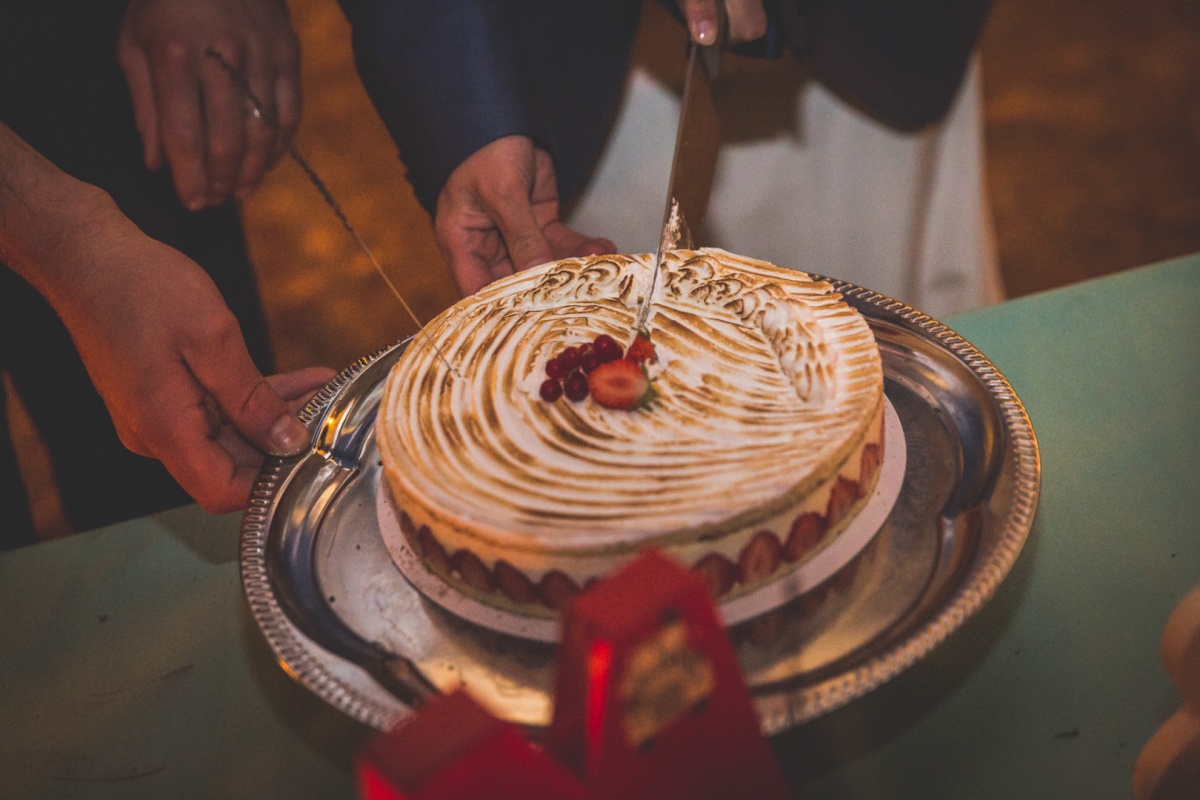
[(191, 114), (747, 20), (167, 356), (498, 214)]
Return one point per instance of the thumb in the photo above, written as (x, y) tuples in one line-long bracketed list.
[(249, 402), (569, 243), (527, 247), (285, 435), (513, 214)]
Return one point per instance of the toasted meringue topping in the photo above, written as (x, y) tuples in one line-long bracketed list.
[(764, 383)]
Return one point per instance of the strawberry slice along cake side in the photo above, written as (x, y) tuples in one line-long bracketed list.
[(533, 442)]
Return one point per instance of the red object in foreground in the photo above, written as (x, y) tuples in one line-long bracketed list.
[(454, 749), (650, 702)]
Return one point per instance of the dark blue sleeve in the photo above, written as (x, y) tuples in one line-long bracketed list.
[(449, 76)]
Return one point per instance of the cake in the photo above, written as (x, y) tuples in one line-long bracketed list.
[(761, 440)]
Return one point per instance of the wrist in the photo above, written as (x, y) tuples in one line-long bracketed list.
[(49, 220)]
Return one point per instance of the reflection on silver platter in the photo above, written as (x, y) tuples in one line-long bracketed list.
[(329, 598)]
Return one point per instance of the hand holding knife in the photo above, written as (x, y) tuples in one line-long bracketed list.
[(697, 141)]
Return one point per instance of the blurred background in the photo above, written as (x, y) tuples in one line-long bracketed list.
[(1092, 120)]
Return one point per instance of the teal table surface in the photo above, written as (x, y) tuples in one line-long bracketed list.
[(130, 665)]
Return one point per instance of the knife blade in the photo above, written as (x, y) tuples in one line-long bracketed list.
[(268, 115), (697, 140)]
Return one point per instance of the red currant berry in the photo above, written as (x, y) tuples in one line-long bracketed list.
[(607, 348), (550, 390), (575, 387), (555, 369), (590, 361), (569, 358)]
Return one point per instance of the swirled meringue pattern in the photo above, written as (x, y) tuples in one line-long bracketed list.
[(767, 422)]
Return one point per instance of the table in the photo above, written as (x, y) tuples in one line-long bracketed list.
[(130, 666)]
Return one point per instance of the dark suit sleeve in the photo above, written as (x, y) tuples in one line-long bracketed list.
[(899, 61), (450, 76)]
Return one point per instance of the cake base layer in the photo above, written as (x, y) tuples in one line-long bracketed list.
[(496, 610)]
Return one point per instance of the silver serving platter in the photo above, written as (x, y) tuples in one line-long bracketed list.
[(343, 620)]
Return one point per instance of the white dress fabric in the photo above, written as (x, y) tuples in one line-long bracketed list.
[(806, 182)]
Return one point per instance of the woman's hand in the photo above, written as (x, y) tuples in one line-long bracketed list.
[(192, 115)]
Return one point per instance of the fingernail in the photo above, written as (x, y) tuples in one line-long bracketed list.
[(288, 436), (704, 32)]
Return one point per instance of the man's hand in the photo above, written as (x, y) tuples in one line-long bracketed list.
[(167, 356), (498, 214), (747, 20), (190, 112)]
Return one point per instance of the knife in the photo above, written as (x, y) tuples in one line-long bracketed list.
[(697, 140), (268, 115)]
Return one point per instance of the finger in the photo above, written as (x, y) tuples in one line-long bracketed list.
[(471, 276), (269, 139), (287, 91), (297, 388), (188, 446), (222, 366), (475, 258), (469, 240), (568, 243), (261, 129), (507, 199), (701, 16), (177, 90), (241, 452), (213, 462), (260, 153), (509, 205), (225, 120), (141, 93), (300, 384), (747, 20)]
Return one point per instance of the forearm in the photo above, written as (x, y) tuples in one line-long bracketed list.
[(452, 76), (46, 216), (445, 77), (157, 339)]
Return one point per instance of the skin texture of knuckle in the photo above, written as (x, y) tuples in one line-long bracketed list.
[(224, 149), (174, 52), (230, 47), (444, 226), (756, 28), (183, 136), (259, 136), (525, 248), (260, 403), (506, 190), (289, 118), (216, 332)]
